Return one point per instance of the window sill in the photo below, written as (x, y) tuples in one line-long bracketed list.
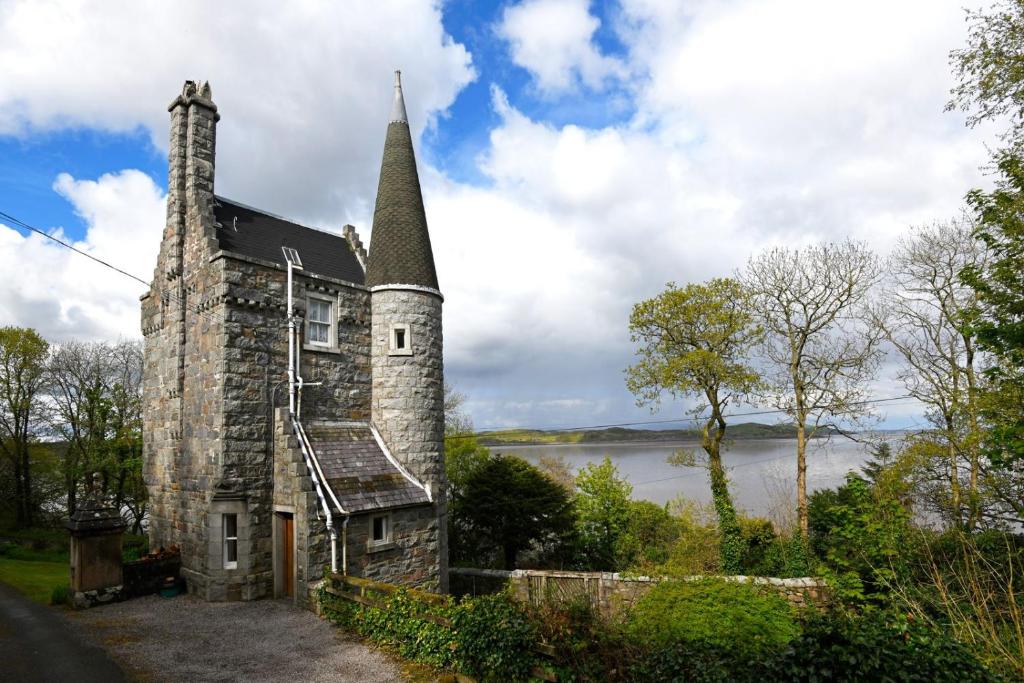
[(321, 349), (379, 547), (399, 352)]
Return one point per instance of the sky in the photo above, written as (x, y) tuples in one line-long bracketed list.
[(575, 156)]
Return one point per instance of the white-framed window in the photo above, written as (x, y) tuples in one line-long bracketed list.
[(230, 525), (400, 342), (320, 321), (380, 530)]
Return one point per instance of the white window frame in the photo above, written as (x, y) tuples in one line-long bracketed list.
[(332, 324), (406, 330), (227, 540), (388, 531)]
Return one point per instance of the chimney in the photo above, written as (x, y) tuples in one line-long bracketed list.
[(190, 221)]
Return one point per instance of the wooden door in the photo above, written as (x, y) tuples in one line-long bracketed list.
[(288, 554)]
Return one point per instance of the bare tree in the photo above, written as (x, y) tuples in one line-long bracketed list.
[(927, 314), (819, 353)]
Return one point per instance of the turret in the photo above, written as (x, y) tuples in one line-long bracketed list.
[(407, 402)]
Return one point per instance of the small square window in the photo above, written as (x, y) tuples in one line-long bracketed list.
[(400, 342), (380, 530), (319, 322), (230, 524)]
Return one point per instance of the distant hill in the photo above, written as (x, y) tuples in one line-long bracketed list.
[(744, 430)]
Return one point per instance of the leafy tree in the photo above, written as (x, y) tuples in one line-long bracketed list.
[(999, 284), (648, 536), (991, 80), (95, 390), (22, 374), (695, 341), (602, 512), (820, 353), (508, 505)]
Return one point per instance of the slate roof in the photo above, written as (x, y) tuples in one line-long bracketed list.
[(357, 470), (261, 235), (400, 250)]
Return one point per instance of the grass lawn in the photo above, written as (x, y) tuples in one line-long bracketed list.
[(35, 579)]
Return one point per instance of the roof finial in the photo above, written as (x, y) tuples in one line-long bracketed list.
[(398, 108)]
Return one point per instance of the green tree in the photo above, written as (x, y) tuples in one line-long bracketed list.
[(695, 341), (862, 534), (648, 537), (602, 512), (22, 373), (999, 283), (508, 505), (989, 69)]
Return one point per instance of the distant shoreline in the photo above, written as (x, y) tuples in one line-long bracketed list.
[(620, 435)]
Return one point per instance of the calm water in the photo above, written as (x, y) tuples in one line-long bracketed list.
[(762, 472)]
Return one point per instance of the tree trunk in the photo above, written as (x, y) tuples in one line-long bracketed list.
[(956, 501), (801, 477), (973, 438), (510, 556), (19, 494), (731, 543), (26, 491)]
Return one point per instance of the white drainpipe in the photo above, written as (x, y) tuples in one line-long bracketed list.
[(294, 405)]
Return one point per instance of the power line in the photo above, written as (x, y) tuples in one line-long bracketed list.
[(20, 223), (686, 420)]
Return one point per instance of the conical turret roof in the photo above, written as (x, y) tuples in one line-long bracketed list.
[(400, 251)]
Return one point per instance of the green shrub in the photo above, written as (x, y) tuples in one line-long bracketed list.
[(875, 647), (862, 535), (490, 637), (494, 637), (711, 612), (61, 595)]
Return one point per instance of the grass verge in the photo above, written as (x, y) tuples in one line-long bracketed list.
[(35, 579)]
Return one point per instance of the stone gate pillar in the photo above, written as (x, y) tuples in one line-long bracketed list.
[(96, 569)]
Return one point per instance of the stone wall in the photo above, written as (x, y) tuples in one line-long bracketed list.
[(408, 395), (611, 591), (411, 559)]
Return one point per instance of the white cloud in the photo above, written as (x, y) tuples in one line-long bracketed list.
[(65, 295), (553, 40), (757, 123), (304, 87)]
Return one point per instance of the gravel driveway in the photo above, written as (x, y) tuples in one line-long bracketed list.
[(187, 639)]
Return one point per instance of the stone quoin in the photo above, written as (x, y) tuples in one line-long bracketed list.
[(240, 482)]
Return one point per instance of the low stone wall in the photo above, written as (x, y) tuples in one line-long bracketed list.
[(607, 590)]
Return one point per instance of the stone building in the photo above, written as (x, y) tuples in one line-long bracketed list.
[(260, 492)]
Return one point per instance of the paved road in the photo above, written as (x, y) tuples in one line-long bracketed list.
[(38, 644)]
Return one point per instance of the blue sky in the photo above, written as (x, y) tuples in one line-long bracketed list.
[(575, 155)]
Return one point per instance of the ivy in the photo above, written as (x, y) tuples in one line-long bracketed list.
[(488, 637)]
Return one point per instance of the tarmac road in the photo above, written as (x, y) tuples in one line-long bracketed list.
[(38, 644)]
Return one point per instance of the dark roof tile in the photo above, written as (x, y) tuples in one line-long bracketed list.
[(251, 232)]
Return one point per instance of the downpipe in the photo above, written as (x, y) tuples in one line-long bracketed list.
[(295, 384)]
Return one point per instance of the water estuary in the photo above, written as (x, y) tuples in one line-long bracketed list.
[(762, 472)]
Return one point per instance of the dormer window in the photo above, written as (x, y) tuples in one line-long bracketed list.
[(401, 341), (320, 322)]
